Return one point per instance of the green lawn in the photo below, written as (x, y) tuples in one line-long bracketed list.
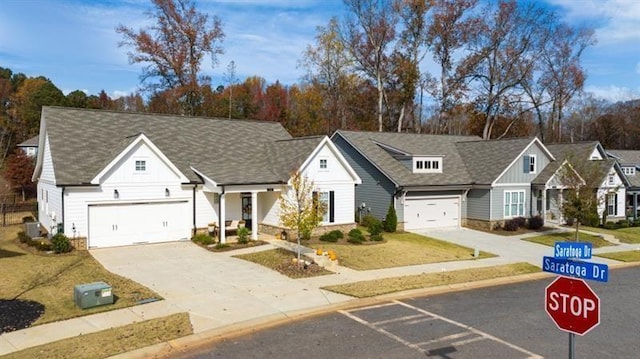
[(397, 250), (372, 288), (551, 239), (625, 256), (626, 235)]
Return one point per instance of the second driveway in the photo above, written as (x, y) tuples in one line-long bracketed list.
[(215, 288)]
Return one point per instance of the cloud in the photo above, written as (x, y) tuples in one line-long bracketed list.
[(614, 93), (615, 21)]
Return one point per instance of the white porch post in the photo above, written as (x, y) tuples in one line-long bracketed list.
[(635, 206), (254, 215), (544, 205), (223, 206), (559, 206)]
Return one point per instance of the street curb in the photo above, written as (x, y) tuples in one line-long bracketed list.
[(195, 341)]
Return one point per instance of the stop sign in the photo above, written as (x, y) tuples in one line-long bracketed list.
[(572, 305)]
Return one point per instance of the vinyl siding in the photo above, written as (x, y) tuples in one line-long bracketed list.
[(49, 204), (269, 208), (497, 197), (478, 204), (47, 174), (516, 174), (206, 208), (376, 190)]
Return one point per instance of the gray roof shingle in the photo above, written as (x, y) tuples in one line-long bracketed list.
[(84, 141), (629, 158), (577, 151)]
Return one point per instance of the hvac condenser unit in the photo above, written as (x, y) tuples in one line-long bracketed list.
[(92, 294)]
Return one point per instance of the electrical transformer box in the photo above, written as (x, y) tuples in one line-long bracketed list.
[(92, 294)]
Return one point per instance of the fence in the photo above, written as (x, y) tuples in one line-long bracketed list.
[(14, 213)]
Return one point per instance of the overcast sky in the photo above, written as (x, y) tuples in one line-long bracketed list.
[(73, 42)]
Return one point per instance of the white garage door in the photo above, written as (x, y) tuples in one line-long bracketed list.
[(431, 212), (136, 223)]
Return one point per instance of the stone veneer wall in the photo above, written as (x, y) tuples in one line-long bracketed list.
[(481, 224)]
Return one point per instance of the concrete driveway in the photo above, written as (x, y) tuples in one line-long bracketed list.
[(216, 289)]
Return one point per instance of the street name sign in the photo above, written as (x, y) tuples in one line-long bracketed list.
[(578, 269), (575, 250), (572, 305)]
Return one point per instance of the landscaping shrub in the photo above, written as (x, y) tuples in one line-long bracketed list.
[(376, 237), (355, 236), (520, 221), (391, 220), (367, 219), (623, 223), (591, 219), (243, 235), (332, 236), (569, 221), (511, 225), (375, 227), (23, 237), (27, 219), (610, 225), (305, 235), (536, 222), (636, 222), (61, 243), (202, 239)]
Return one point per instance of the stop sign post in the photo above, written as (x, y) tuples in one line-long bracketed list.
[(572, 305)]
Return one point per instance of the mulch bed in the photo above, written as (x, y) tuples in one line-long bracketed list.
[(16, 314)]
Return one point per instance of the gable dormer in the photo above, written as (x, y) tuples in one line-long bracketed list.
[(595, 155)]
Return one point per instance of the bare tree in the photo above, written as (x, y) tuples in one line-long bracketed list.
[(231, 80), (173, 49), (367, 34)]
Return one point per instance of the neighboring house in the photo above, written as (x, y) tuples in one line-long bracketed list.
[(442, 181), (30, 146), (629, 162), (611, 190), (127, 178)]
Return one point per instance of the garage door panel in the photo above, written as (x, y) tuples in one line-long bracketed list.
[(135, 223), (431, 212)]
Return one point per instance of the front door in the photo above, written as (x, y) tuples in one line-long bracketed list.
[(246, 209)]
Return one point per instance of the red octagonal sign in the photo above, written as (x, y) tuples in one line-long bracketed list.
[(572, 305)]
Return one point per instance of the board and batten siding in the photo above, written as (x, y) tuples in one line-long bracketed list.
[(206, 208), (132, 187), (479, 204), (517, 174), (49, 195), (376, 190)]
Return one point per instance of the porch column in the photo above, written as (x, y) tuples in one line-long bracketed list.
[(254, 215), (544, 206), (223, 206), (559, 206), (635, 206)]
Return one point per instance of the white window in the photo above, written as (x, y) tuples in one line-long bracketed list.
[(611, 179), (141, 165), (629, 171), (323, 163), (427, 165), (514, 204), (532, 163), (612, 207)]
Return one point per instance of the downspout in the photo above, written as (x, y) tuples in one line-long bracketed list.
[(62, 211), (194, 210)]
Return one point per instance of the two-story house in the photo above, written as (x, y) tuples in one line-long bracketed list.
[(629, 162)]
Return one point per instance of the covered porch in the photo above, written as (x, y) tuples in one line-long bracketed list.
[(633, 203), (243, 206)]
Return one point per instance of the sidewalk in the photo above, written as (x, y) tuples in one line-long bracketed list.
[(265, 296)]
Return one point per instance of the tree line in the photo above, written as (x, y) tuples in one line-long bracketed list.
[(505, 68)]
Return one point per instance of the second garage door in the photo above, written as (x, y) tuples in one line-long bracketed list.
[(431, 212), (136, 223)]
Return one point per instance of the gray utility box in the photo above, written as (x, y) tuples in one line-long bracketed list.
[(32, 229), (92, 294)]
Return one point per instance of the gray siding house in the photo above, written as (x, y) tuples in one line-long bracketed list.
[(629, 162), (444, 181)]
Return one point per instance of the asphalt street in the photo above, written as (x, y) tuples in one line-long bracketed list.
[(497, 322)]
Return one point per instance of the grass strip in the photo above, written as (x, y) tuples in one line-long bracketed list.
[(113, 341), (371, 288), (626, 235), (551, 239), (624, 256)]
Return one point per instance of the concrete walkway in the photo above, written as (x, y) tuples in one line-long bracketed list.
[(219, 291)]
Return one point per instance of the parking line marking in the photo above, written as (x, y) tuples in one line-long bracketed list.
[(401, 319), (467, 341), (380, 330), (445, 338), (425, 319), (469, 328), (371, 307)]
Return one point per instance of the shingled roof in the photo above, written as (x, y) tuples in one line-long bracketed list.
[(629, 158), (83, 142), (577, 151)]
